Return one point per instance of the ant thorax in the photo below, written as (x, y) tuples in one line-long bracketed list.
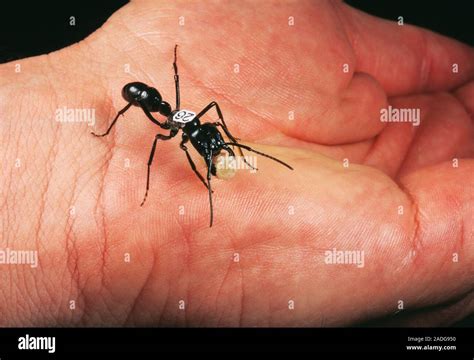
[(179, 118)]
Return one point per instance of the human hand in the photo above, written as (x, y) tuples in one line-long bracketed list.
[(75, 200)]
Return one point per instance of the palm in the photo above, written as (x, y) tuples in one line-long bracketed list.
[(277, 223)]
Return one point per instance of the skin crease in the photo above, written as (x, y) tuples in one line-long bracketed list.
[(280, 222)]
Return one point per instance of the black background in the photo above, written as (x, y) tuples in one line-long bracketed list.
[(28, 29), (346, 342)]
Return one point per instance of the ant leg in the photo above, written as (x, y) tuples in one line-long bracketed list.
[(176, 79), (191, 162), (261, 153), (219, 113), (121, 112), (209, 166), (150, 116), (221, 117), (150, 160)]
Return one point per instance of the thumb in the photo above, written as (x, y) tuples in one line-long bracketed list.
[(442, 251)]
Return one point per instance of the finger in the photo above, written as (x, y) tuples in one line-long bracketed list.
[(352, 117), (465, 94), (406, 59), (443, 241), (446, 131)]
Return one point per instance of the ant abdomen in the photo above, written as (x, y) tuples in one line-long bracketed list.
[(139, 93)]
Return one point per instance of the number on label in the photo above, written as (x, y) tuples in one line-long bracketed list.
[(184, 116)]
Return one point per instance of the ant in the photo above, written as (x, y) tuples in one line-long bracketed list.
[(205, 138)]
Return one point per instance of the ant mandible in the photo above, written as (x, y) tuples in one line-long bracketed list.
[(205, 138)]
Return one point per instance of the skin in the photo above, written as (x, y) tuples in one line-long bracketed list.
[(280, 222)]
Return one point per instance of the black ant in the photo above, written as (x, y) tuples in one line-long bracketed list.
[(205, 138)]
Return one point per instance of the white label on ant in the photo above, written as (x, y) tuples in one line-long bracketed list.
[(184, 116)]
